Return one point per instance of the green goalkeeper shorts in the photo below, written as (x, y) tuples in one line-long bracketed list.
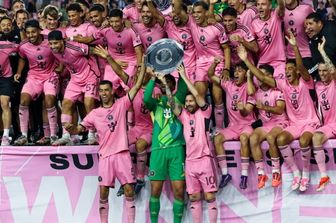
[(167, 161)]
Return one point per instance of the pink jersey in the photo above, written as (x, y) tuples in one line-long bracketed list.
[(235, 94), (208, 40), (110, 124), (182, 34), (76, 60), (270, 97), (270, 38), (141, 113), (132, 13), (6, 49), (326, 95), (299, 105), (84, 29), (41, 59), (120, 44), (149, 35), (46, 31), (195, 133), (244, 33), (294, 20), (246, 17)]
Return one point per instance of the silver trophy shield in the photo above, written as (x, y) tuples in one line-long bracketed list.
[(162, 4), (164, 55)]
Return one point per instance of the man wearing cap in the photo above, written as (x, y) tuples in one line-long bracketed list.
[(41, 78)]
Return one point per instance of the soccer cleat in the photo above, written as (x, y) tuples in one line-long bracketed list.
[(262, 180), (304, 183), (225, 180), (5, 141), (243, 182), (276, 179), (120, 191), (62, 141), (139, 185), (323, 183), (296, 183), (21, 141), (43, 141)]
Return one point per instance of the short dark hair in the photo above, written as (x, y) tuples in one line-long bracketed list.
[(116, 13), (242, 65), (22, 11), (230, 11), (83, 2), (4, 11), (145, 4), (16, 1), (4, 18), (170, 78), (55, 35), (106, 82), (97, 7), (267, 67), (74, 7), (292, 61), (33, 23), (316, 17), (204, 5)]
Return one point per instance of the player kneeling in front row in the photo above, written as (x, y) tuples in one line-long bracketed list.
[(198, 153), (114, 157)]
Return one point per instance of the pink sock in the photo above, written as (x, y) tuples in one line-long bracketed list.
[(141, 164), (46, 130), (103, 211), (319, 155), (245, 162), (219, 115), (52, 117), (130, 209), (196, 211), (213, 211), (260, 167), (276, 165), (306, 154), (24, 118), (65, 119), (287, 154), (221, 159)]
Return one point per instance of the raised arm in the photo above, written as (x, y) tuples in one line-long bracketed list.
[(251, 46), (250, 85), (211, 72), (298, 58), (156, 14), (149, 101), (199, 99), (182, 89), (227, 61), (134, 90), (242, 53), (103, 53), (281, 8), (327, 61)]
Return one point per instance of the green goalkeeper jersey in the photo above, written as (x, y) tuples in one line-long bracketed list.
[(167, 129)]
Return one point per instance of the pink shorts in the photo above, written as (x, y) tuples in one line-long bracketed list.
[(75, 91), (116, 166), (234, 132), (139, 132), (190, 71), (201, 72), (268, 127), (110, 75), (328, 130), (201, 179), (36, 87), (297, 130), (279, 69)]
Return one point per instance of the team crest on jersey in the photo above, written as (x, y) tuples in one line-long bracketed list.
[(100, 179), (184, 36), (39, 57), (167, 113), (325, 103), (151, 173), (110, 117)]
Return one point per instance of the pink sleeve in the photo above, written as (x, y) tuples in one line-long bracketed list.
[(224, 84), (309, 84), (126, 103), (251, 100), (222, 37), (248, 36), (280, 84), (88, 121), (22, 52), (182, 116), (207, 111), (135, 38), (84, 48), (99, 34), (279, 96)]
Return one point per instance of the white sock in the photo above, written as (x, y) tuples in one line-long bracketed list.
[(6, 132)]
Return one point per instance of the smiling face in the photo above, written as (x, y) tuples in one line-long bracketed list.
[(199, 14), (312, 27), (96, 18), (6, 26), (116, 23), (146, 15), (74, 18), (57, 46), (229, 23), (105, 93), (291, 72), (190, 104), (33, 34), (324, 73)]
